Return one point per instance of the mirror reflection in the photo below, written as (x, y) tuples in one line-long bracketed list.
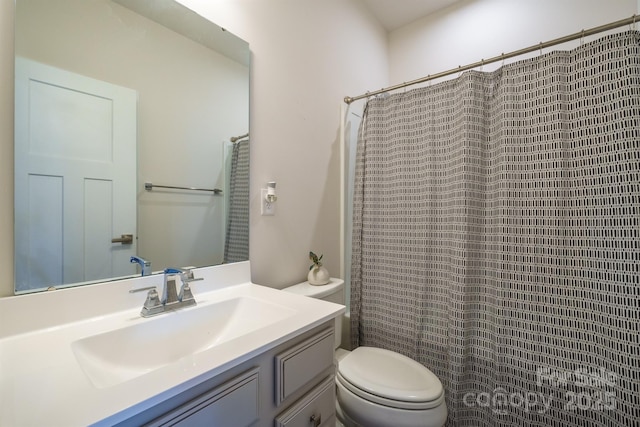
[(111, 95)]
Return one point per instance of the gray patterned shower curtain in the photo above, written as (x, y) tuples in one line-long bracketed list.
[(497, 237), (236, 244)]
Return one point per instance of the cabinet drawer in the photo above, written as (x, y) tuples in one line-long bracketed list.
[(316, 408), (234, 403), (301, 363)]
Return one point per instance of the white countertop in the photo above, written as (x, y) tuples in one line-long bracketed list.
[(42, 384)]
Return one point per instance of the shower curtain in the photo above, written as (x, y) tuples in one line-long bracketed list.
[(497, 237), (236, 244)]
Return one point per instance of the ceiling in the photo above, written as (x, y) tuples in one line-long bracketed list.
[(394, 14)]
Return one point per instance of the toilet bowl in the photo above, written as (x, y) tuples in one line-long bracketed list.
[(376, 387)]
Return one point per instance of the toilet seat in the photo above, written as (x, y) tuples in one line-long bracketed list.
[(389, 379)]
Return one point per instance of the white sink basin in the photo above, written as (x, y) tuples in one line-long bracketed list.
[(120, 355)]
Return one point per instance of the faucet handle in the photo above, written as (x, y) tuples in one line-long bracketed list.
[(185, 293), (152, 304), (148, 288), (185, 290), (188, 277), (152, 296), (153, 299)]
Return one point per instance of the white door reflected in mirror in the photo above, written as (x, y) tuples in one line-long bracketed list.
[(75, 177)]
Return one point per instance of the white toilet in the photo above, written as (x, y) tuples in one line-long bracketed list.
[(377, 387)]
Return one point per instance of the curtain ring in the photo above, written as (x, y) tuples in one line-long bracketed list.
[(582, 38), (502, 56), (482, 65), (429, 79), (540, 48)]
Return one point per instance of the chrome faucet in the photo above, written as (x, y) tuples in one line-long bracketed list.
[(169, 292), (171, 299), (144, 265)]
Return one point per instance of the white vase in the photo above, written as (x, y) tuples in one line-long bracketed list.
[(318, 276)]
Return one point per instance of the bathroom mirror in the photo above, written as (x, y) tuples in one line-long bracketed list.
[(112, 95)]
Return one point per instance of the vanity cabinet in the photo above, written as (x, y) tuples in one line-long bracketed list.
[(290, 385), (316, 408), (234, 403), (295, 368)]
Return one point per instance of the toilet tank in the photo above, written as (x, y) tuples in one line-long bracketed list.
[(332, 292)]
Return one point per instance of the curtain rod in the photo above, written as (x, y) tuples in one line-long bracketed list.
[(628, 21), (235, 138)]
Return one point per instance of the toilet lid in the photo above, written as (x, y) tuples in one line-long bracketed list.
[(398, 380)]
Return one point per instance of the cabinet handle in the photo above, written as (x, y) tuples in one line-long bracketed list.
[(315, 420)]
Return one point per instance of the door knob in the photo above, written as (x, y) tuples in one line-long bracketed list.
[(125, 239)]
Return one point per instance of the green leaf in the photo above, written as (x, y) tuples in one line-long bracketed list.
[(316, 261)]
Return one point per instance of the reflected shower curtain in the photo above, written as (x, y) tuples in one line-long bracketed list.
[(497, 237), (236, 244)]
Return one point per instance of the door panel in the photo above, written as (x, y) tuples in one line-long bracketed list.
[(44, 236), (75, 174)]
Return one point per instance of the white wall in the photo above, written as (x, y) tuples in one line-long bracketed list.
[(307, 55), (475, 29)]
